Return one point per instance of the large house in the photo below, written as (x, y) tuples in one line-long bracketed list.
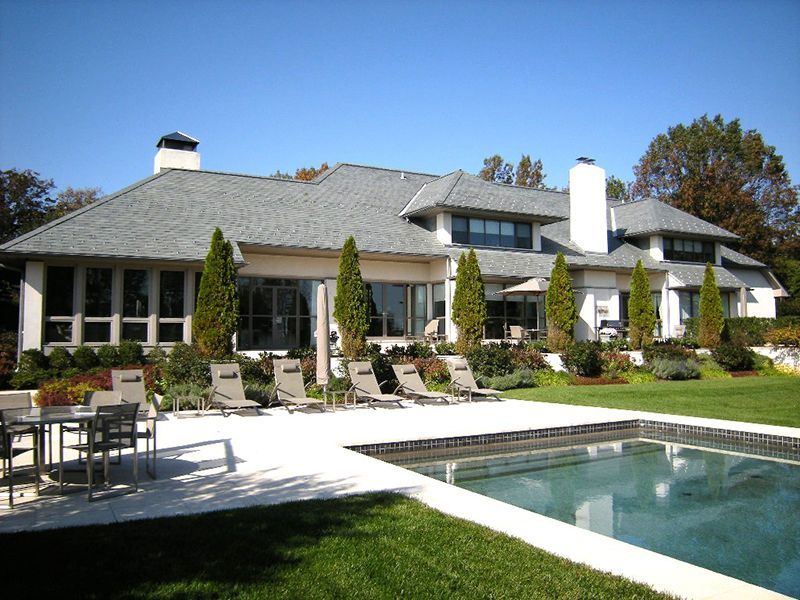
[(129, 265)]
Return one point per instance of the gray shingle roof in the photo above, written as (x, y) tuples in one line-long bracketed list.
[(691, 276), (731, 258), (460, 190), (635, 219)]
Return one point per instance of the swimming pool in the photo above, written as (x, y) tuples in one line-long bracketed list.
[(726, 510)]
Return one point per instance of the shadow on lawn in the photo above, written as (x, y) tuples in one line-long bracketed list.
[(222, 549)]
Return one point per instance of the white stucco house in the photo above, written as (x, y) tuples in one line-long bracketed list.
[(128, 266)]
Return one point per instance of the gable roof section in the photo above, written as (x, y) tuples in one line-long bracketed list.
[(462, 191), (634, 219), (691, 276), (732, 258)]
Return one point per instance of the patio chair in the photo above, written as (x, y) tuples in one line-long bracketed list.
[(431, 332), (366, 387), (8, 432), (149, 433), (16, 400), (411, 385), (227, 392), (113, 428), (464, 381), (130, 383), (516, 333), (289, 389)]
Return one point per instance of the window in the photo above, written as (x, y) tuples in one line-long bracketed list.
[(689, 303), (59, 304), (171, 296), (688, 250), (489, 232), (276, 314), (396, 309), (97, 305), (135, 304), (439, 306), (624, 298), (502, 311)]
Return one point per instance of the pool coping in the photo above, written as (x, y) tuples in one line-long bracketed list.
[(596, 550)]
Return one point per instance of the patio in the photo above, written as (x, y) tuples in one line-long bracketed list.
[(211, 463)]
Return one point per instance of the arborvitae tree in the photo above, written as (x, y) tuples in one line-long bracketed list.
[(560, 307), (469, 303), (712, 320), (350, 308), (641, 314), (217, 314)]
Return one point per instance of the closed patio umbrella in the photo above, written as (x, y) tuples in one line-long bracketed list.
[(531, 287), (323, 336)]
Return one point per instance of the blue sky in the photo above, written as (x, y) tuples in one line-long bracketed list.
[(89, 87)]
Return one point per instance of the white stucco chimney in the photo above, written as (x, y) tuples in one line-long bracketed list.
[(588, 225), (177, 150)]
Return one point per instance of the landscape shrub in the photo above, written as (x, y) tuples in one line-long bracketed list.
[(185, 365), (8, 357), (583, 358), (734, 358), (65, 392), (85, 358), (560, 308), (30, 380), (491, 360), (784, 336), (410, 352), (350, 304), (108, 356), (638, 375), (260, 392), (710, 369), (432, 370), (675, 368), (445, 348), (521, 378), (33, 360), (130, 353), (765, 366), (616, 345), (545, 378), (189, 393), (524, 356), (156, 356), (251, 368), (300, 353), (540, 345), (665, 350), (60, 359), (616, 363), (580, 380), (748, 331)]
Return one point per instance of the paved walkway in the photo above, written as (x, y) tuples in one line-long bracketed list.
[(213, 463)]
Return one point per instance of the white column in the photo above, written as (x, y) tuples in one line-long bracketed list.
[(33, 294)]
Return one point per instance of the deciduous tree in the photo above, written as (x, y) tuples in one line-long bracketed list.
[(350, 307), (529, 174), (641, 314), (469, 303), (496, 170), (24, 202), (560, 306), (71, 199), (726, 175), (711, 318), (616, 188), (309, 173), (217, 314)]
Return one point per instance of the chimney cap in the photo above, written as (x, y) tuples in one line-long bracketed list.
[(177, 140), (585, 160)]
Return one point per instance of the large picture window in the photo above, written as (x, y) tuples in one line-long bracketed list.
[(396, 309), (276, 314), (488, 232), (688, 250), (59, 305)]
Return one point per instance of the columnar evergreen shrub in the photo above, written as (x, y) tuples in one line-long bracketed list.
[(469, 303), (711, 317), (350, 307), (85, 358), (217, 314), (641, 314), (560, 307)]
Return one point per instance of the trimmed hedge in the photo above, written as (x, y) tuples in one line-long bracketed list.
[(747, 331)]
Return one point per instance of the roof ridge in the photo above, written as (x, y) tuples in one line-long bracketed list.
[(349, 164), (249, 175), (452, 187), (47, 226)]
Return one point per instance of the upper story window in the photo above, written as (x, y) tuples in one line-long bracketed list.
[(688, 250), (489, 232)]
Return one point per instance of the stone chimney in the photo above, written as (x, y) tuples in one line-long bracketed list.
[(588, 224), (177, 151)]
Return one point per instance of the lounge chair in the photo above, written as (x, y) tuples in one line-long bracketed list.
[(289, 388), (227, 393), (411, 385), (464, 381), (130, 383), (366, 387)]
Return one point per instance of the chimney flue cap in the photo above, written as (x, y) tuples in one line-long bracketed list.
[(585, 160), (178, 141)]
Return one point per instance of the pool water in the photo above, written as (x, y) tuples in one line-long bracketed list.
[(731, 513)]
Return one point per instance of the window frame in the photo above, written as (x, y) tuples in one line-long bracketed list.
[(473, 235), (707, 250), (72, 319)]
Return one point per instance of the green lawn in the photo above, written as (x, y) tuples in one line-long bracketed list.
[(769, 400), (371, 546)]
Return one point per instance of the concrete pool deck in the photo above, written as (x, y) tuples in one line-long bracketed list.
[(212, 463)]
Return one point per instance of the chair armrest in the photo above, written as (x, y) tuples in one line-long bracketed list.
[(309, 384)]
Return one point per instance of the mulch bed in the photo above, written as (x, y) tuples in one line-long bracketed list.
[(744, 373), (579, 380)]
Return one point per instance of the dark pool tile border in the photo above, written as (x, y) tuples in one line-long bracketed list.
[(725, 439)]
